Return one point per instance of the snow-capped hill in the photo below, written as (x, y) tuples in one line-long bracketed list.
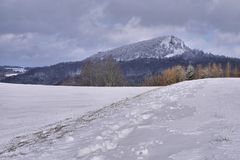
[(161, 47)]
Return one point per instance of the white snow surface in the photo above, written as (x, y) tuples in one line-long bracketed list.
[(11, 74), (25, 108), (192, 120)]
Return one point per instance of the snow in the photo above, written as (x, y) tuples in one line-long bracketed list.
[(69, 139), (142, 152), (197, 120), (11, 74), (17, 69), (25, 108), (176, 52)]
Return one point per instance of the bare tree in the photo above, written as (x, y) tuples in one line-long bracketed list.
[(201, 72), (101, 73), (180, 73), (155, 80), (236, 71), (113, 75), (169, 76), (88, 74), (228, 70), (216, 70)]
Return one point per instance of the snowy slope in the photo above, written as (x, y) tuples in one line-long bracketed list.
[(194, 120), (162, 47), (25, 108)]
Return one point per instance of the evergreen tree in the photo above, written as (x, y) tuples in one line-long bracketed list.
[(190, 72)]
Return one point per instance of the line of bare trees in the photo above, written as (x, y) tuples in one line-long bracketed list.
[(180, 73), (101, 73)]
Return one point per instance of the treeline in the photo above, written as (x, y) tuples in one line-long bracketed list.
[(181, 73), (99, 73)]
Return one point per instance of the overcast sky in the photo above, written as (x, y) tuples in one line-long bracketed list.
[(44, 32)]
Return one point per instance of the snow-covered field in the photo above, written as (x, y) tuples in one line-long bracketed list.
[(194, 120), (25, 108)]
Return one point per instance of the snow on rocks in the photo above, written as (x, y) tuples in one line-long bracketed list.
[(161, 47), (142, 152)]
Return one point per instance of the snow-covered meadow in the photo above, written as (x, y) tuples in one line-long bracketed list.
[(25, 108), (192, 120)]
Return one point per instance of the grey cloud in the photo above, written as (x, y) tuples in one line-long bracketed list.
[(65, 16), (49, 31), (41, 16), (223, 14)]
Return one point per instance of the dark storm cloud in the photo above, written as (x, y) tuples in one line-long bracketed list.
[(49, 31)]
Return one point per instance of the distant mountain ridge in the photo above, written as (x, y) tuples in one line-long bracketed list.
[(161, 47), (136, 60)]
